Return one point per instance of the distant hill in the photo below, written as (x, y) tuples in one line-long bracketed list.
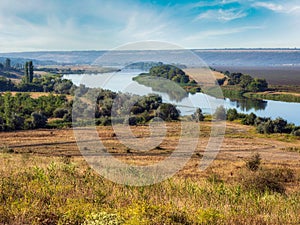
[(20, 60), (57, 57), (250, 57), (212, 57)]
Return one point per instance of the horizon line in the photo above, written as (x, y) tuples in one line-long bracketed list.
[(192, 49)]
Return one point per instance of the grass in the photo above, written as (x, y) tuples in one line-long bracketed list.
[(286, 97), (44, 180), (62, 192)]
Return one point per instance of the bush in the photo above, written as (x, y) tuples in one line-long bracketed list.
[(38, 120), (60, 112), (297, 133), (263, 180), (279, 125), (232, 114), (167, 112), (266, 127), (254, 162), (249, 119)]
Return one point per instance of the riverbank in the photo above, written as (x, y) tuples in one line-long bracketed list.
[(274, 95)]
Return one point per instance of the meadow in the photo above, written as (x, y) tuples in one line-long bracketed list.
[(45, 180)]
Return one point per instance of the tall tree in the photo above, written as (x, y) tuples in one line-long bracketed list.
[(26, 72), (7, 63), (30, 65)]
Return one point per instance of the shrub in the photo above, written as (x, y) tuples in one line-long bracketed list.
[(38, 120), (254, 162), (262, 181), (60, 112), (265, 179), (297, 133), (249, 119), (167, 112), (232, 114), (265, 127)]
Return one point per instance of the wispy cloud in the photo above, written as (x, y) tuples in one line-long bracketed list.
[(104, 24), (276, 7), (222, 15)]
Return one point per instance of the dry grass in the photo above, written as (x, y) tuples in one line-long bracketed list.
[(45, 180), (39, 94), (204, 75)]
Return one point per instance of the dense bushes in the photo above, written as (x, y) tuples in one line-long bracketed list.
[(246, 82), (264, 125), (24, 112), (47, 83), (107, 106)]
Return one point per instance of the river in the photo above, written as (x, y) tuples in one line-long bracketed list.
[(122, 82)]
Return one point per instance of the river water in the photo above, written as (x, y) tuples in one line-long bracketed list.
[(122, 82)]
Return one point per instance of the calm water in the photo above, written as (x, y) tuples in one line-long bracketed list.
[(122, 82)]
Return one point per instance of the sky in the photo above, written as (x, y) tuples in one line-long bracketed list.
[(36, 25)]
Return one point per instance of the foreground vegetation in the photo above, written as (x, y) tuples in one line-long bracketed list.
[(68, 192)]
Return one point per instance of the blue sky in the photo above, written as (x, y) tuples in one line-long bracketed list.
[(105, 24)]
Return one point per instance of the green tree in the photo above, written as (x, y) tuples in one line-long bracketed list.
[(266, 127), (167, 112), (38, 120), (249, 119), (279, 125), (26, 72), (30, 72), (258, 85), (232, 114)]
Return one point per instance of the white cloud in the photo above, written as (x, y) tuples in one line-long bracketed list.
[(113, 24), (268, 5), (289, 7), (222, 15)]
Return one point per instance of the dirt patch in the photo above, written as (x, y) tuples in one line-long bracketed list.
[(238, 145)]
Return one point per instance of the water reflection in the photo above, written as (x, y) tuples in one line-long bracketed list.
[(123, 82), (246, 104), (162, 85)]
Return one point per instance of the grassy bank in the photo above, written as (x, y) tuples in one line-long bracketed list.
[(277, 96)]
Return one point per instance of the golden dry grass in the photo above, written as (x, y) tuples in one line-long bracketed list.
[(240, 142), (45, 180), (203, 75)]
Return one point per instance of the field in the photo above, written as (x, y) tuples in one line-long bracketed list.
[(45, 180), (284, 75)]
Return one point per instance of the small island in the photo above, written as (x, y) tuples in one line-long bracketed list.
[(171, 73)]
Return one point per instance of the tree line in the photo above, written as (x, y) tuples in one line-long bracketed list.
[(264, 125), (21, 112), (242, 83)]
